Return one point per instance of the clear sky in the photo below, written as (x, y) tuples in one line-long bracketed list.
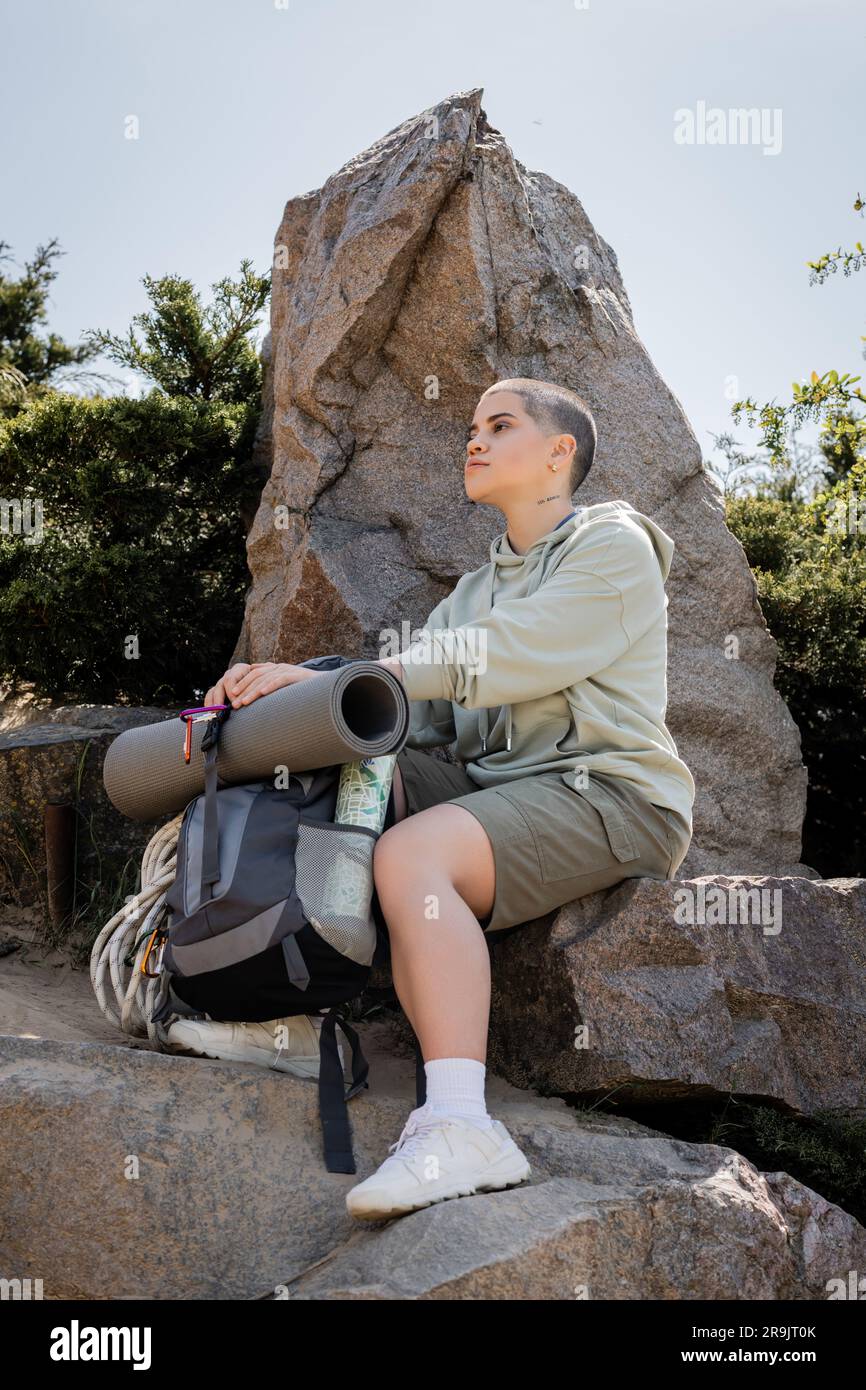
[(244, 103)]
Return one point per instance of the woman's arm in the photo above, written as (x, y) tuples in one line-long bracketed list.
[(431, 722)]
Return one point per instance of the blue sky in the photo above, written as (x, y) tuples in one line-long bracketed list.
[(243, 104)]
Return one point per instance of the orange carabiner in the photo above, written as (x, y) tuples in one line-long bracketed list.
[(194, 716), (152, 974)]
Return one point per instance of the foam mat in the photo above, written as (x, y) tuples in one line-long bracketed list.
[(358, 711)]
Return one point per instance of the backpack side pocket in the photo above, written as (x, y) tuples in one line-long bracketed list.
[(334, 882)]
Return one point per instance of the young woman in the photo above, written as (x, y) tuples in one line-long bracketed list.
[(572, 785)]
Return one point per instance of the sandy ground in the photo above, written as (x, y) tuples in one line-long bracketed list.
[(42, 995)]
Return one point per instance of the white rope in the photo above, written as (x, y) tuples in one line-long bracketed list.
[(124, 994)]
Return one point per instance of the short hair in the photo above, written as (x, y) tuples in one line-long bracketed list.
[(557, 410)]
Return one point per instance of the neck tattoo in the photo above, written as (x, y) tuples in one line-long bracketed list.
[(553, 498)]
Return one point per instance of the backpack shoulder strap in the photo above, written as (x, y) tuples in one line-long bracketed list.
[(210, 859)]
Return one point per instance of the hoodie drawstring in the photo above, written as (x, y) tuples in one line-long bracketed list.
[(484, 728)]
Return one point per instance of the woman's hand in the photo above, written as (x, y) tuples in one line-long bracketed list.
[(244, 683), (223, 691)]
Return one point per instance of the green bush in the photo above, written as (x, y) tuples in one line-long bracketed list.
[(143, 537), (809, 563)]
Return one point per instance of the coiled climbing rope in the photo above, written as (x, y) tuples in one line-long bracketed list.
[(127, 996)]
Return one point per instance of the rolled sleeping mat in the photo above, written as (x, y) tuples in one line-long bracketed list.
[(358, 711)]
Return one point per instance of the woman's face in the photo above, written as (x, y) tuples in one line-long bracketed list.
[(506, 452)]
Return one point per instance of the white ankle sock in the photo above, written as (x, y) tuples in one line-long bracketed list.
[(455, 1086)]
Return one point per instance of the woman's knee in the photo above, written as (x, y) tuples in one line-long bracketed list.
[(410, 853), (392, 852), (441, 845)]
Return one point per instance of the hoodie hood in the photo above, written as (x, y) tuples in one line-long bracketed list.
[(535, 561)]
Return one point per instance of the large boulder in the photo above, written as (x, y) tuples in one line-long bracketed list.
[(132, 1174), (429, 266), (667, 990)]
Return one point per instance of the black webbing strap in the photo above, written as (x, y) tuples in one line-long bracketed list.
[(296, 966), (210, 859), (336, 1131)]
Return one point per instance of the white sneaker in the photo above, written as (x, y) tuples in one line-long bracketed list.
[(295, 1051), (438, 1157)]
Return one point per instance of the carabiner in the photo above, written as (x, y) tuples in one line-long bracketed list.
[(200, 712), (157, 931)]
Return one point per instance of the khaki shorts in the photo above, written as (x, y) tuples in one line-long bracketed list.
[(551, 843)]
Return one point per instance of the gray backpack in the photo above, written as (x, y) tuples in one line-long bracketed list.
[(271, 913)]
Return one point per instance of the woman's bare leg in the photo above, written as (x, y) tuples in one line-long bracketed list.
[(435, 877), (398, 976)]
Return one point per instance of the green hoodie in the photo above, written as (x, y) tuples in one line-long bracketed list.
[(569, 643)]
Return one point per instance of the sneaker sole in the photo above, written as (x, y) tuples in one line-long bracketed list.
[(306, 1068), (512, 1170)]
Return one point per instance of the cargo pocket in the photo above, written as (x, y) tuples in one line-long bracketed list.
[(619, 832), (561, 855), (334, 882)]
